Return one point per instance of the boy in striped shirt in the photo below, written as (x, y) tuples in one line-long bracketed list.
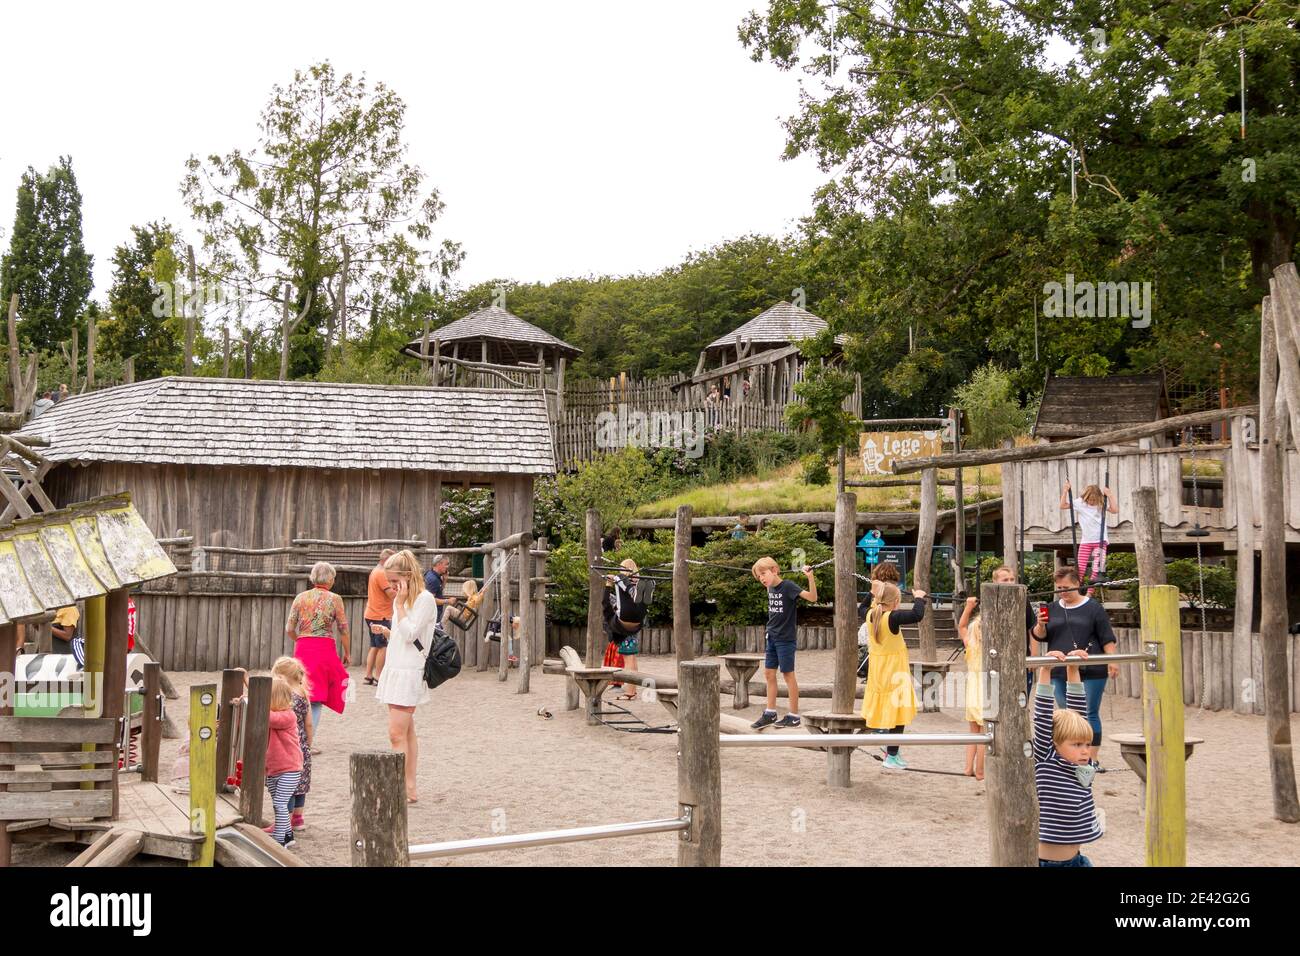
[(1067, 817)]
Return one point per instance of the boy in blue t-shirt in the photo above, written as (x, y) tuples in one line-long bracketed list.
[(782, 606)]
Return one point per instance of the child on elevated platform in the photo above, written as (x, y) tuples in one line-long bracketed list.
[(782, 619)]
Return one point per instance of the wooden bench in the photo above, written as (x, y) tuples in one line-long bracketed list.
[(590, 681), (741, 667), (1133, 748), (929, 701)]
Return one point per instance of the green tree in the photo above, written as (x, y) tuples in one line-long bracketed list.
[(329, 169), (47, 263), (990, 408), (951, 125), (134, 326), (614, 484)]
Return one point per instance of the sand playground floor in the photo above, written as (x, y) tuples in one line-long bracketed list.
[(489, 764)]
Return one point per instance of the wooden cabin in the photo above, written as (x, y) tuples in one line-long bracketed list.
[(238, 474), (493, 348), (1076, 405), (765, 352)]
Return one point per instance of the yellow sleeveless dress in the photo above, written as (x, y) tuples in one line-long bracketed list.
[(974, 684), (889, 700)]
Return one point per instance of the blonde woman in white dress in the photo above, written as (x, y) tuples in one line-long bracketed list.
[(401, 684)]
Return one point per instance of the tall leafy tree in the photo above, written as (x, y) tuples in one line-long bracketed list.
[(47, 263), (136, 325), (952, 134), (329, 168)]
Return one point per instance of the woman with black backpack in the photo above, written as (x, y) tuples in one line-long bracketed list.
[(401, 684)]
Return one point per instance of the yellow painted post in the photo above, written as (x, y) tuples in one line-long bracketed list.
[(95, 631), (203, 769), (1162, 725)]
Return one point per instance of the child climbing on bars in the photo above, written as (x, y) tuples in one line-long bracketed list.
[(295, 675), (283, 759), (1089, 511), (782, 614), (1067, 816)]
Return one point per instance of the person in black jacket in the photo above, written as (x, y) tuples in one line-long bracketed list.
[(1077, 622)]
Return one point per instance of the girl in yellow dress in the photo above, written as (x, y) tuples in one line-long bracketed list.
[(889, 701), (970, 632)]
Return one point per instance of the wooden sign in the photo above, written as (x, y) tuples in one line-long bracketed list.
[(879, 450)]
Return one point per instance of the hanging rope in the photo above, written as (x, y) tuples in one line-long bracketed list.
[(749, 570)]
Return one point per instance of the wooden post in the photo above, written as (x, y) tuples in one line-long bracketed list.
[(15, 384), (1284, 290), (1272, 551), (838, 766), (93, 689), (151, 729), (595, 593), (225, 351), (115, 642), (75, 361), (959, 503), (1146, 537), (1162, 726), (924, 554), (1013, 806), (526, 621), (507, 614), (378, 824), (203, 766), (343, 303), (839, 469), (232, 688), (90, 353), (257, 724), (194, 298), (699, 763), (1010, 516), (683, 644), (8, 664), (1244, 608), (128, 370)]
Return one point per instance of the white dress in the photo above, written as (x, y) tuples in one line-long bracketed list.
[(402, 680)]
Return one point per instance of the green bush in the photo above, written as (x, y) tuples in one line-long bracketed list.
[(991, 410), (815, 470), (566, 566), (468, 517), (732, 595), (1220, 583)]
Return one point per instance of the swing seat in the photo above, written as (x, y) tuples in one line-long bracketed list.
[(462, 617)]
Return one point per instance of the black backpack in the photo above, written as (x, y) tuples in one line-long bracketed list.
[(443, 661)]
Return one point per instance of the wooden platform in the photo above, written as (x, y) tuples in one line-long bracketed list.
[(163, 816)]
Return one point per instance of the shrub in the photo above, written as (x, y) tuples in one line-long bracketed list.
[(732, 593), (566, 566), (815, 470), (467, 517), (991, 410)]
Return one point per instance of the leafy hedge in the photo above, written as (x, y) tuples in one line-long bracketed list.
[(719, 596)]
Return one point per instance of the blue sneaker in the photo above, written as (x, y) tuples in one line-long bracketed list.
[(894, 762), (766, 719), (789, 720)]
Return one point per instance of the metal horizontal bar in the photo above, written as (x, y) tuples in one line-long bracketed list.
[(513, 841), (850, 740), (1091, 661)]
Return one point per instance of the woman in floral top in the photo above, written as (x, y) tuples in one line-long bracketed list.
[(315, 618)]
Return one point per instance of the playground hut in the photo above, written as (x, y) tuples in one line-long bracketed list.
[(763, 352), (253, 481), (91, 552), (493, 348), (1076, 405)]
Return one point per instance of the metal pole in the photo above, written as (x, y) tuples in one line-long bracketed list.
[(851, 740), (429, 851), (1033, 662)]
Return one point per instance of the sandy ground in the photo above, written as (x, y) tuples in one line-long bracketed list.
[(489, 762)]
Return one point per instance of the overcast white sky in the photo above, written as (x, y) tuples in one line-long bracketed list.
[(567, 138)]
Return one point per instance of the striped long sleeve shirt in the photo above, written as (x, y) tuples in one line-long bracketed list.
[(1066, 813)]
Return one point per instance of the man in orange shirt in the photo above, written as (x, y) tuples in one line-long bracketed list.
[(379, 613)]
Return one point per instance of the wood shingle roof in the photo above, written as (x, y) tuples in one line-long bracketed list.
[(783, 323), (1077, 405), (494, 323), (237, 422)]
